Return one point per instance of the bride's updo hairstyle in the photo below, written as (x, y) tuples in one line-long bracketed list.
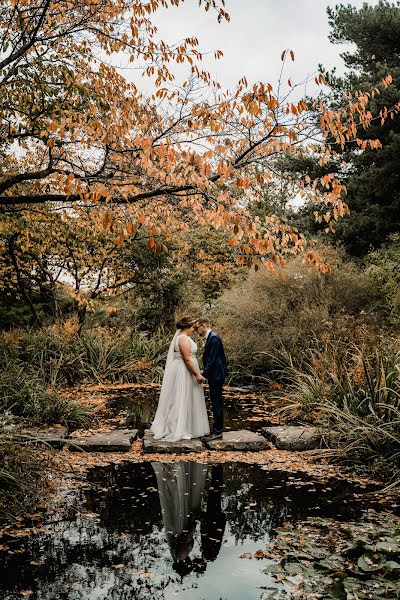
[(186, 322)]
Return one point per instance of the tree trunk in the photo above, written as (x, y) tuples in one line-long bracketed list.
[(21, 285)]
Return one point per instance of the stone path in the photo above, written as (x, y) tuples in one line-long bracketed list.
[(231, 440), (239, 440), (119, 440), (51, 436), (152, 446), (290, 437)]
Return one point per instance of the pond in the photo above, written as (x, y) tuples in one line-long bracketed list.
[(186, 530), (243, 409)]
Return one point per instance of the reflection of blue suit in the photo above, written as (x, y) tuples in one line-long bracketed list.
[(215, 369)]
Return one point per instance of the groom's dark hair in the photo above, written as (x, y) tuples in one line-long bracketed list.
[(204, 321)]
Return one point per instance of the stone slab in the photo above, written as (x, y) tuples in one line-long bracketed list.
[(55, 437), (118, 440), (153, 446), (242, 440), (292, 437)]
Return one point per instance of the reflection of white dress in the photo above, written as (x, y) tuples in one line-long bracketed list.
[(181, 412), (180, 486)]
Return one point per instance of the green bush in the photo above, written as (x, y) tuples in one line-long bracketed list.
[(383, 266)]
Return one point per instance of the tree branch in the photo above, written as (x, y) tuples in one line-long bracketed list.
[(43, 198), (16, 55), (8, 183)]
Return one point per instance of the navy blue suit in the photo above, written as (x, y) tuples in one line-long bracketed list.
[(215, 369)]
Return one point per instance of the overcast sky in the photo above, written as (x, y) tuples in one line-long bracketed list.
[(253, 40)]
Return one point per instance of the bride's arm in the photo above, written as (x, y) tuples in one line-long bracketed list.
[(185, 349)]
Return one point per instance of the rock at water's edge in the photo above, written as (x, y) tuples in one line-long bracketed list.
[(118, 440), (291, 437), (243, 440), (153, 446)]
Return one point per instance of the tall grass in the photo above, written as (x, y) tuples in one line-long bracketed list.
[(23, 474), (23, 394), (351, 393), (63, 358)]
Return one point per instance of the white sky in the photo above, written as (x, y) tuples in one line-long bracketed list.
[(255, 37)]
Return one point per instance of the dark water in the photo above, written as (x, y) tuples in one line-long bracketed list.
[(242, 408), (159, 530)]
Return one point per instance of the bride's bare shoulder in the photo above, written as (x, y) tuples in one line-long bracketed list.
[(183, 341)]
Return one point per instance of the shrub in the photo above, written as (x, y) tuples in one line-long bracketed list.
[(383, 266), (267, 312)]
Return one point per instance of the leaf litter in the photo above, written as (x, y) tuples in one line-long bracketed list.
[(351, 560)]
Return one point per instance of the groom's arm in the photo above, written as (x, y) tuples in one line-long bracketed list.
[(212, 355)]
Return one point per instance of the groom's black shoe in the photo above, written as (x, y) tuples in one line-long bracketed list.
[(213, 436)]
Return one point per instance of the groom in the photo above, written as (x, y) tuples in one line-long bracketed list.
[(215, 369)]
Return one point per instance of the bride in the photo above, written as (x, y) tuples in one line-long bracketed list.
[(181, 412)]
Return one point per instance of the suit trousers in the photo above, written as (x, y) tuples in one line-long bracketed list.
[(217, 404)]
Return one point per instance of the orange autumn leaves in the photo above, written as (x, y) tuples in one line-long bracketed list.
[(187, 156)]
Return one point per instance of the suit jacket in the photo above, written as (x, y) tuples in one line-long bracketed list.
[(215, 367)]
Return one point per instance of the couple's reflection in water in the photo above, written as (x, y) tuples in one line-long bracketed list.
[(181, 488)]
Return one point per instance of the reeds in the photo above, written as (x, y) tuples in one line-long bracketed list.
[(23, 474), (60, 358), (353, 395), (23, 394)]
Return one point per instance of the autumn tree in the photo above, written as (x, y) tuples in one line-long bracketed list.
[(76, 133), (44, 249)]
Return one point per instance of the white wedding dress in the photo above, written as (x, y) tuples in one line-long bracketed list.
[(181, 412)]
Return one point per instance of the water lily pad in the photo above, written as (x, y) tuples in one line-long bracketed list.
[(369, 562), (387, 547), (311, 574), (294, 568), (332, 563), (381, 588), (353, 586), (285, 530), (273, 569), (274, 595), (318, 552), (392, 565)]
